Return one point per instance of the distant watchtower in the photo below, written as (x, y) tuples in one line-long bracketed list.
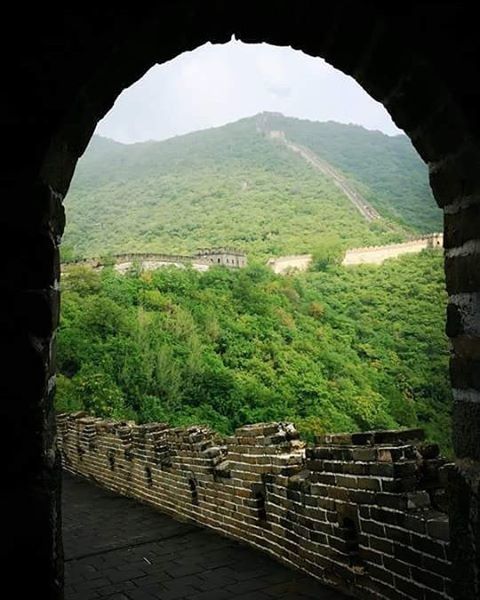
[(226, 257), (435, 240), (263, 121)]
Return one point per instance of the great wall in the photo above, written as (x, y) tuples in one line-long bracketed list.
[(362, 512), (354, 256), (340, 181), (375, 255), (287, 264), (234, 259), (372, 255), (202, 260)]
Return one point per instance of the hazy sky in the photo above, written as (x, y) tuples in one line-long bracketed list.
[(217, 84)]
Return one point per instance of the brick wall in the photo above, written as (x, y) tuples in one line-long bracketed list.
[(376, 255), (363, 512)]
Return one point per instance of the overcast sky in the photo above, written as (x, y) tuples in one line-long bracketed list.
[(218, 84)]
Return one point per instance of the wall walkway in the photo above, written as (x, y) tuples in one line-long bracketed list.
[(361, 512), (121, 549)]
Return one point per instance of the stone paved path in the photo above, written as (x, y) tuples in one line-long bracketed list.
[(119, 549)]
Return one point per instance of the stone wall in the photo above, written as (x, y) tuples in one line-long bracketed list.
[(228, 257), (285, 264), (376, 255), (363, 512), (201, 261), (373, 255)]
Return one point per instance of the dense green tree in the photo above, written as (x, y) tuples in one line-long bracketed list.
[(328, 252), (333, 349)]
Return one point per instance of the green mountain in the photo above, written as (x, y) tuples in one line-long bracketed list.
[(237, 185)]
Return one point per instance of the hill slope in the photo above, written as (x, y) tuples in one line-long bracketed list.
[(233, 185), (388, 169)]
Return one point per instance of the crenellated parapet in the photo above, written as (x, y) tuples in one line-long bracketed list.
[(377, 254), (202, 260), (363, 512), (431, 240)]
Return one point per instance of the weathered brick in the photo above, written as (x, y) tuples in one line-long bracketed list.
[(409, 588), (332, 509), (372, 527), (430, 580), (438, 528), (397, 566)]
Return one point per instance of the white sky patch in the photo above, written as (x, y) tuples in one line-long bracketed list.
[(218, 84), (271, 68), (193, 88)]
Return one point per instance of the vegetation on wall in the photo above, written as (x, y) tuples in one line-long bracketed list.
[(332, 349)]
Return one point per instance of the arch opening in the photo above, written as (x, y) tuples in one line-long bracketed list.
[(268, 129), (345, 539)]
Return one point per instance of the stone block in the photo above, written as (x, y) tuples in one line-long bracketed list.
[(364, 454), (438, 528), (399, 435), (417, 500), (333, 439)]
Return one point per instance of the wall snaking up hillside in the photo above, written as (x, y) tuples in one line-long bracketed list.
[(362, 512)]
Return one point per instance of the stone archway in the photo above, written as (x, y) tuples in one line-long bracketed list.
[(65, 70)]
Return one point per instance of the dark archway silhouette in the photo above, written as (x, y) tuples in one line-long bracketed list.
[(64, 69)]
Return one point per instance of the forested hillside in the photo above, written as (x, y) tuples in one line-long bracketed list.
[(235, 186), (389, 171), (334, 349)]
